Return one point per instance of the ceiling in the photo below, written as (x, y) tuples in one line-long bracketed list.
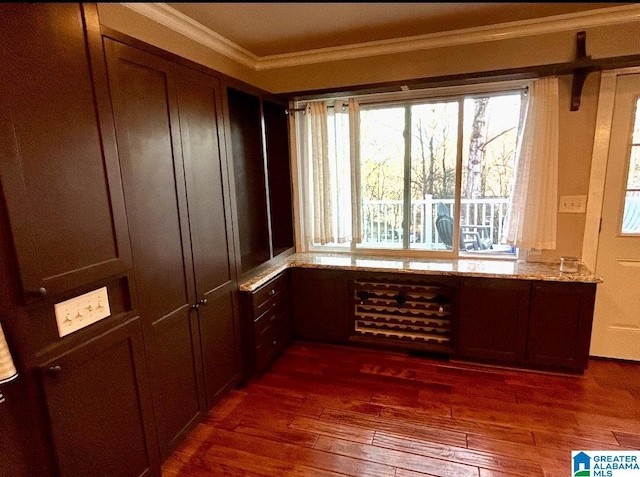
[(266, 29)]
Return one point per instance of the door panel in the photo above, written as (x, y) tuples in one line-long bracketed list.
[(560, 324), (99, 407), (199, 102), (175, 377), (208, 192), (156, 201), (320, 305), (220, 345), (148, 132), (492, 319), (616, 325), (68, 218)]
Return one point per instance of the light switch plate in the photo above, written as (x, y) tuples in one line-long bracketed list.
[(81, 311), (573, 204)]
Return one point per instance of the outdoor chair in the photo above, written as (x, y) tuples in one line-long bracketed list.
[(472, 237)]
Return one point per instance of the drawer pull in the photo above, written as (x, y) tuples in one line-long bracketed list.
[(272, 292), (55, 369)]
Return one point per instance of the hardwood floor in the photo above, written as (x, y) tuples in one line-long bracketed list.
[(326, 410)]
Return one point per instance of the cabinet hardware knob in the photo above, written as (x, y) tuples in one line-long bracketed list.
[(55, 369), (204, 301), (272, 292), (195, 307), (42, 291)]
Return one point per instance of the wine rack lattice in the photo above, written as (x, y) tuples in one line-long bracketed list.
[(404, 311)]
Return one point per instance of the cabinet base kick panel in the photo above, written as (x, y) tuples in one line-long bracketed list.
[(82, 311)]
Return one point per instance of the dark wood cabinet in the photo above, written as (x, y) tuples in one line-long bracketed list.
[(320, 305), (58, 155), (269, 323), (560, 321), (529, 323), (176, 189), (492, 319), (259, 145), (200, 110), (99, 404)]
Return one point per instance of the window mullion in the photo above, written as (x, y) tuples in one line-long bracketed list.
[(406, 203), (458, 189)]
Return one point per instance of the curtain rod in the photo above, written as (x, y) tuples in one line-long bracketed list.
[(413, 96), (295, 110)]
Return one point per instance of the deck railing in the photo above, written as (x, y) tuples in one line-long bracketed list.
[(382, 219)]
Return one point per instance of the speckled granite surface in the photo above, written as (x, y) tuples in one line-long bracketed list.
[(470, 267)]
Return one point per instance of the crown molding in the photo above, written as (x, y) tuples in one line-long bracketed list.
[(175, 20), (179, 22)]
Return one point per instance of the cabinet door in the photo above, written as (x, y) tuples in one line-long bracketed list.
[(249, 178), (99, 407), (199, 102), (58, 157), (320, 305), (492, 319), (147, 127), (276, 127), (560, 324)]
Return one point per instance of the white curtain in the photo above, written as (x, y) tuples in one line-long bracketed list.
[(531, 220), (329, 217)]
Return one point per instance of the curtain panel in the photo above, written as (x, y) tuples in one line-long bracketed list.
[(332, 160), (531, 220)]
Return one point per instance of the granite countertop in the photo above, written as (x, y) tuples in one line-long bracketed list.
[(468, 267)]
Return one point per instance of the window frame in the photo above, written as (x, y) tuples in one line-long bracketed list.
[(405, 97)]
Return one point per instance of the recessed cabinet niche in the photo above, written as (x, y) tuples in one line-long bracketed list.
[(276, 126), (176, 191), (259, 145)]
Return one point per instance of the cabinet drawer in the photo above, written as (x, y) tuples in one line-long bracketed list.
[(279, 313), (265, 296), (278, 325), (264, 355), (276, 338)]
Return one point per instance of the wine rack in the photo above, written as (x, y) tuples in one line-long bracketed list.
[(403, 311)]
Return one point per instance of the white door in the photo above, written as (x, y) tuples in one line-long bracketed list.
[(616, 325)]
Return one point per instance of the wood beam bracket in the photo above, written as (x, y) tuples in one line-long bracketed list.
[(580, 73)]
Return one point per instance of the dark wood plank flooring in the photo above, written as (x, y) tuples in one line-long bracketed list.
[(326, 410)]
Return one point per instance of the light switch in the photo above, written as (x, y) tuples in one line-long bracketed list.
[(81, 311), (573, 204)]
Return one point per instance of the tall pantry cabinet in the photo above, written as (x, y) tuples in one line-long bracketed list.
[(176, 193), (81, 403)]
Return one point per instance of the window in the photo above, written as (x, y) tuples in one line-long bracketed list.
[(429, 174), (631, 215)]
